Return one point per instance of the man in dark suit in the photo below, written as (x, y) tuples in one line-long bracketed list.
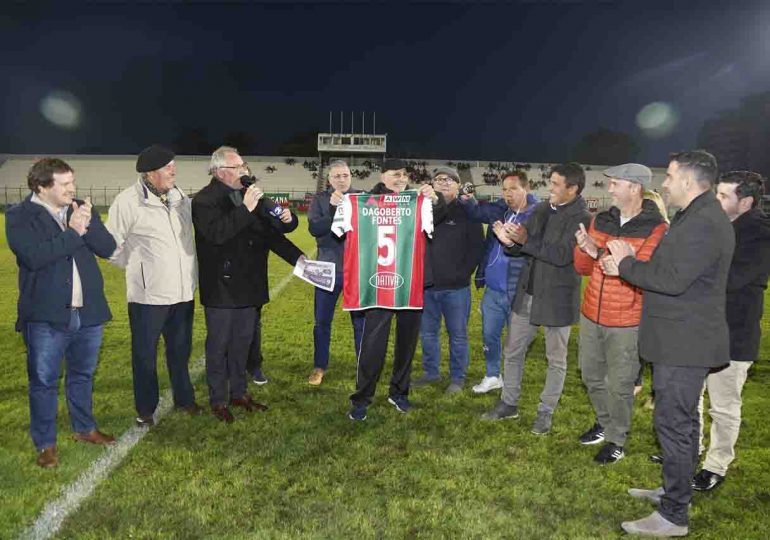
[(739, 193), (547, 293), (61, 309), (683, 329), (233, 235)]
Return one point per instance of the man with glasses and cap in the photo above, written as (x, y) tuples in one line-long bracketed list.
[(455, 252), (152, 226), (234, 232), (612, 308)]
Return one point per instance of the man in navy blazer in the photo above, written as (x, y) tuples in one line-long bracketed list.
[(61, 308)]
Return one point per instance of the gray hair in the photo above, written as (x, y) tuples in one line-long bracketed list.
[(336, 163), (218, 157)]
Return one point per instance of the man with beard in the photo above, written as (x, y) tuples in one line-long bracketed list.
[(739, 193), (683, 330)]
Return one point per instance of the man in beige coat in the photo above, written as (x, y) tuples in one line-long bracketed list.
[(151, 222)]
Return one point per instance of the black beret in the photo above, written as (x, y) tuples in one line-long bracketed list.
[(393, 165), (153, 158)]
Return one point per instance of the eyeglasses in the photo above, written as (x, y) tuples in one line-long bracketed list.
[(444, 180), (244, 166)]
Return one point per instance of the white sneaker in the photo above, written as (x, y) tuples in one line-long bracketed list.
[(487, 384)]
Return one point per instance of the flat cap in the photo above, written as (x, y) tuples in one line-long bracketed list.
[(633, 172)]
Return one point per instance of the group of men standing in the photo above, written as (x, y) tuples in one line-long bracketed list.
[(168, 244), (685, 297)]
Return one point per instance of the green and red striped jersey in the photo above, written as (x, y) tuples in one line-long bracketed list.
[(384, 248)]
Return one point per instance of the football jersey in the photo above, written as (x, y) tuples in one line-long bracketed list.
[(384, 248)]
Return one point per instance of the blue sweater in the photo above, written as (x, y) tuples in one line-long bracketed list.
[(44, 254), (497, 270)]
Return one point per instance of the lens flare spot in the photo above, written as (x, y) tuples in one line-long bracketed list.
[(62, 109), (657, 119)]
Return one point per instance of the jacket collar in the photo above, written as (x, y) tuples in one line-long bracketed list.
[(705, 198), (175, 195)]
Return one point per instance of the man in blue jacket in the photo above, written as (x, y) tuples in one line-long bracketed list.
[(331, 248), (61, 308), (498, 272)]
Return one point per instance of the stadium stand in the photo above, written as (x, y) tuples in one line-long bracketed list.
[(103, 177)]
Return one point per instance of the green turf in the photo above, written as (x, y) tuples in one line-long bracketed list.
[(304, 470)]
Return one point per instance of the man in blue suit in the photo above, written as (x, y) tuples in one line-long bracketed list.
[(61, 308)]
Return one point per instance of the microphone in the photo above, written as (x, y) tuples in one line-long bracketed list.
[(269, 206)]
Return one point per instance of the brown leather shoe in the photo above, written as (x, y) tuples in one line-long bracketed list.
[(223, 413), (94, 437), (47, 457), (192, 410), (247, 403), (316, 378)]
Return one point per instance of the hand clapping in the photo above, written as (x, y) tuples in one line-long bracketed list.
[(80, 218)]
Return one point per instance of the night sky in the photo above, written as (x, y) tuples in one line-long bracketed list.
[(522, 80)]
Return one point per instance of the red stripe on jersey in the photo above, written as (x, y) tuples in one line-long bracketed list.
[(418, 259), (351, 298)]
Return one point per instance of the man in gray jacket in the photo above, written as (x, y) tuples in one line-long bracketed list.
[(151, 223), (683, 331), (331, 248), (547, 294)]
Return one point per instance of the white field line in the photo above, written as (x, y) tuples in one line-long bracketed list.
[(55, 512)]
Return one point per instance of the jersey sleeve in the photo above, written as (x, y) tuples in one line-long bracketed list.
[(426, 215), (342, 221)]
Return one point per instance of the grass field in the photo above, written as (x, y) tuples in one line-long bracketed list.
[(304, 470)]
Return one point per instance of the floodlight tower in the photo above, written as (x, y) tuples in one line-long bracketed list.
[(355, 148)]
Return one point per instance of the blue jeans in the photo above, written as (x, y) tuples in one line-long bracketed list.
[(325, 303), (495, 312), (46, 347), (455, 306)]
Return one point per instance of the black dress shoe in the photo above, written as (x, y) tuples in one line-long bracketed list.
[(706, 480), (221, 412), (247, 403)]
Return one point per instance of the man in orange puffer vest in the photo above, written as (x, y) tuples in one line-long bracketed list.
[(612, 308)]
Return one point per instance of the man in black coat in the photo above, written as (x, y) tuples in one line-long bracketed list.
[(683, 330), (547, 294), (233, 235), (739, 193), (454, 253)]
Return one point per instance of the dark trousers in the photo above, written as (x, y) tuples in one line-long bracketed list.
[(324, 305), (374, 346), (148, 322), (228, 337), (677, 423), (254, 360)]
